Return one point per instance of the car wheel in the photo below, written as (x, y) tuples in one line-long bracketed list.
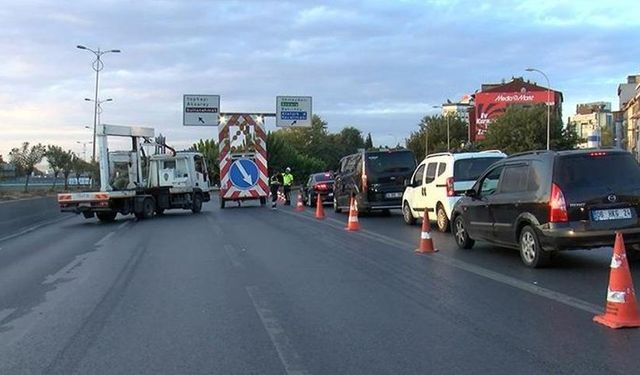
[(407, 215), (336, 208), (530, 250), (461, 235), (441, 219)]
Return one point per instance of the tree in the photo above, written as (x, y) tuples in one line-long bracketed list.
[(210, 150), (67, 167), (25, 158), (525, 129), (350, 140), (57, 158), (436, 128), (79, 167), (368, 143)]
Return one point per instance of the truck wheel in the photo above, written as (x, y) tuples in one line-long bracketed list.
[(87, 214), (148, 207), (221, 203), (106, 217), (159, 211), (196, 205), (263, 201)]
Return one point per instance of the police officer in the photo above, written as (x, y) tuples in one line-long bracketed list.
[(287, 179), (274, 183)]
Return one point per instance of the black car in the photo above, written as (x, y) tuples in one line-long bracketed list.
[(544, 201), (318, 183), (376, 178)]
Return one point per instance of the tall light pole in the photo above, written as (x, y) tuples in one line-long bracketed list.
[(97, 66), (99, 106), (548, 103), (448, 138)]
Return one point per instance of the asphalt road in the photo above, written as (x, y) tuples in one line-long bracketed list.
[(249, 290)]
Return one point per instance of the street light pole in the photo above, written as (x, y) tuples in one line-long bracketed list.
[(97, 66), (548, 104), (100, 102)]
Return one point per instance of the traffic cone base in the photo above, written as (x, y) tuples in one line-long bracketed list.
[(319, 209), (299, 205), (622, 308), (426, 242), (353, 224)]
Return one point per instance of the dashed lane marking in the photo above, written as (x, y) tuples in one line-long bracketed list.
[(232, 254), (288, 355)]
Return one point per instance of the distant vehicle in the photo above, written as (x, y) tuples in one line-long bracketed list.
[(318, 183), (376, 178), (143, 185), (545, 201), (438, 182)]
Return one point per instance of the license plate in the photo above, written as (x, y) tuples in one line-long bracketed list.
[(615, 214), (393, 195)]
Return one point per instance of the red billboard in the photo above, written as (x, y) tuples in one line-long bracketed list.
[(491, 105)]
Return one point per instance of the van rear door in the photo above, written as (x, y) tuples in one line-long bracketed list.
[(386, 172)]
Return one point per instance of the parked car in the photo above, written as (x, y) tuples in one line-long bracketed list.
[(440, 180), (318, 183), (545, 201), (376, 178)]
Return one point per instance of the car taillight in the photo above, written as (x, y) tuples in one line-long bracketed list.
[(321, 187), (450, 190), (558, 206), (597, 153)]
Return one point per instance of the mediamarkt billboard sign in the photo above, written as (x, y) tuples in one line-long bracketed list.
[(490, 105)]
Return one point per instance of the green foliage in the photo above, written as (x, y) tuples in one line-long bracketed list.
[(210, 150), (57, 158), (368, 143), (525, 129), (25, 159), (436, 129), (67, 167)]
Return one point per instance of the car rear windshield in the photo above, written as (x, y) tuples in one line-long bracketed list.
[(390, 162), (614, 170), (471, 169), (323, 177)]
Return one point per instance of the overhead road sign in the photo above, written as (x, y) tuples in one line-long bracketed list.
[(293, 111), (201, 110)]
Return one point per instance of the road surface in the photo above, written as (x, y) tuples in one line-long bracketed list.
[(249, 290)]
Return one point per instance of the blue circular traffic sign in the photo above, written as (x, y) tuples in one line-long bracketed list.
[(244, 174)]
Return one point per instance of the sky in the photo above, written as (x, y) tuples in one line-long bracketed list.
[(377, 65)]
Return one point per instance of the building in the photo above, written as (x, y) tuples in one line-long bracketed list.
[(493, 99), (460, 109), (7, 171), (591, 119), (629, 102)]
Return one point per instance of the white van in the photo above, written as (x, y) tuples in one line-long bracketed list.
[(438, 182)]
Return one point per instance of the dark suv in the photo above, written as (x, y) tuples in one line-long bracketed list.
[(375, 177), (543, 201)]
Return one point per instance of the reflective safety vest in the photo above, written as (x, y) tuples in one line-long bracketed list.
[(288, 179)]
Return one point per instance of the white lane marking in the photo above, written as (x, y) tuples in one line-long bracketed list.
[(104, 239), (65, 271), (288, 356), (232, 254), (123, 225), (477, 270)]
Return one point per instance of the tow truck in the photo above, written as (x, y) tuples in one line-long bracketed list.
[(132, 182)]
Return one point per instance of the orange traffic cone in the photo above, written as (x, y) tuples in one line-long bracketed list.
[(353, 224), (426, 242), (622, 309), (319, 209), (299, 205)]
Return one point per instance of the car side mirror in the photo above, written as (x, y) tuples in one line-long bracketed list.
[(471, 193), (407, 183)]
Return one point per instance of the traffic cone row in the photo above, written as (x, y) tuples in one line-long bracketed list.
[(621, 309), (299, 205), (352, 223), (426, 242), (319, 209)]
